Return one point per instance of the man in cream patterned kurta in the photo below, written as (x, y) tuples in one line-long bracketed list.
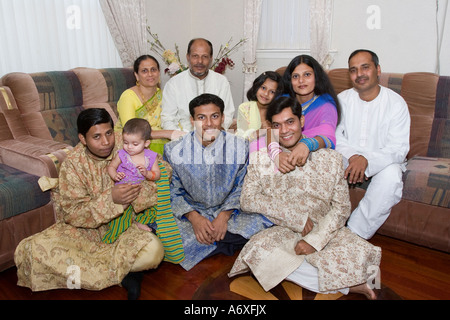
[(71, 254), (317, 192)]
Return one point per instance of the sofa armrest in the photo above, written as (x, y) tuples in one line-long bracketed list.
[(33, 155)]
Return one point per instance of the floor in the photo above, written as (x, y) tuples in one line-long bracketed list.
[(408, 272)]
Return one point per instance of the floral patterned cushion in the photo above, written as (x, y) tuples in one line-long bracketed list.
[(427, 180)]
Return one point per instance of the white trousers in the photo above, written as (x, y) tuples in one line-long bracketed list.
[(384, 191), (307, 276)]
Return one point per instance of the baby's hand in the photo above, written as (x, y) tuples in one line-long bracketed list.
[(142, 170), (119, 176)]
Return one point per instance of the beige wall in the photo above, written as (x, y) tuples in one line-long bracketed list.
[(181, 20), (406, 38), (405, 42)]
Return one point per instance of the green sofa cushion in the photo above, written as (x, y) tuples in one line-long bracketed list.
[(19, 192)]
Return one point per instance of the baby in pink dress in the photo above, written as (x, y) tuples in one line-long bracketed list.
[(135, 162)]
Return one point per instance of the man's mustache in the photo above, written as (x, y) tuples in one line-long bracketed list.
[(361, 78)]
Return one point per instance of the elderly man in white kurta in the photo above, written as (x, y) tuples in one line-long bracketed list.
[(373, 137), (309, 206), (197, 80)]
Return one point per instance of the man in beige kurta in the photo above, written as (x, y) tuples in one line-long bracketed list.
[(309, 207), (71, 253)]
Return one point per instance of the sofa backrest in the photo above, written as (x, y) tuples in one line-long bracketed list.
[(49, 102), (439, 145), (21, 150), (102, 87), (11, 125), (427, 96), (117, 81), (419, 92), (341, 80)]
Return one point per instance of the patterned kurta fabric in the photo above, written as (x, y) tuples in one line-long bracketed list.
[(161, 215), (317, 191), (209, 180), (84, 206)]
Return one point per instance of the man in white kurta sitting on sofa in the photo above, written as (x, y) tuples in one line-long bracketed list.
[(373, 137), (187, 85)]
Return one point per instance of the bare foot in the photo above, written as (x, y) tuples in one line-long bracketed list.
[(143, 227), (365, 290)]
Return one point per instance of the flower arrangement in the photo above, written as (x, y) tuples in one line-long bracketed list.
[(173, 61)]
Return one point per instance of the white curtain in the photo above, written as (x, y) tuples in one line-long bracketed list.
[(252, 17), (127, 23), (49, 35), (320, 33), (284, 25), (441, 31)]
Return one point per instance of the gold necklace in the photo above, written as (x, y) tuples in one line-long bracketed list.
[(144, 100)]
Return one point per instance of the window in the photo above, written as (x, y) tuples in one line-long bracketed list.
[(284, 33), (289, 28), (284, 25), (48, 35)]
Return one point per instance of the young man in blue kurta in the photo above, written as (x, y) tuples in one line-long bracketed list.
[(209, 166)]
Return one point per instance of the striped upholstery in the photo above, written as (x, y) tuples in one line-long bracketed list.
[(117, 81), (58, 89), (419, 92), (15, 189), (392, 81), (61, 102), (439, 145)]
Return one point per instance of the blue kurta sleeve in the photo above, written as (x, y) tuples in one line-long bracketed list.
[(177, 191), (232, 201)]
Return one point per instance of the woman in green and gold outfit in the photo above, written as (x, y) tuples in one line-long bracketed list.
[(144, 101)]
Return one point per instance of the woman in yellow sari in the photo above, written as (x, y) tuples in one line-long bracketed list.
[(144, 101)]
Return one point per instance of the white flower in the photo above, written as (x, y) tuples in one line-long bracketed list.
[(174, 67)]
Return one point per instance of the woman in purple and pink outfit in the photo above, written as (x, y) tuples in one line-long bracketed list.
[(306, 80)]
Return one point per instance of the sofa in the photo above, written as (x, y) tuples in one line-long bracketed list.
[(38, 115), (422, 215)]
